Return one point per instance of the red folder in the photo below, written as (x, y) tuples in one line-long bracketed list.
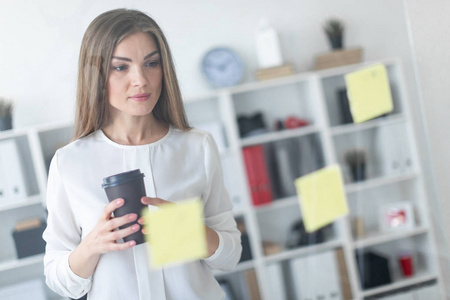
[(257, 174)]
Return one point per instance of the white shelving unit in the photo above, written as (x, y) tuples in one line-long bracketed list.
[(36, 146), (312, 96)]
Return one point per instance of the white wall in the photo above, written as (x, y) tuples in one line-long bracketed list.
[(430, 38), (41, 40)]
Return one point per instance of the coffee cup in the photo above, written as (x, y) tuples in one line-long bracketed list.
[(130, 187)]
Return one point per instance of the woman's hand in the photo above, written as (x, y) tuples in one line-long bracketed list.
[(212, 239), (151, 201), (102, 239)]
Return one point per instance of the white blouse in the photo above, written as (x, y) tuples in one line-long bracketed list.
[(181, 165)]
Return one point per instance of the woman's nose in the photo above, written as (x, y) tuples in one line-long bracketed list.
[(138, 77)]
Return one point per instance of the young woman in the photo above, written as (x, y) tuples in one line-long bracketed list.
[(130, 116)]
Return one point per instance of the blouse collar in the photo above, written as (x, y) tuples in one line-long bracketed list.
[(101, 135)]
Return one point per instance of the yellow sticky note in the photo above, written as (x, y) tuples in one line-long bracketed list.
[(369, 93), (322, 197), (175, 232)]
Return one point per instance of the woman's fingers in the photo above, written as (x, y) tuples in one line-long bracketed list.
[(111, 207), (121, 246), (153, 201), (120, 221), (120, 234)]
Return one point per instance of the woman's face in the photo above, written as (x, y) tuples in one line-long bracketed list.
[(135, 77)]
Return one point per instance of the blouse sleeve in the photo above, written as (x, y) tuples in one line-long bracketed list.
[(62, 236), (218, 212)]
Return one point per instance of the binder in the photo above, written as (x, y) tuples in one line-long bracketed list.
[(316, 277), (12, 182), (285, 154), (232, 182), (257, 174), (276, 280)]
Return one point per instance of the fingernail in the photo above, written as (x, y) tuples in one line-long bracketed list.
[(135, 227), (132, 216), (119, 201), (132, 243)]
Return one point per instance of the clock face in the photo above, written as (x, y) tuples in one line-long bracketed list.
[(222, 67)]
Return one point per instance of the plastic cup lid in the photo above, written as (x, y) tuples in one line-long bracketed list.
[(122, 178)]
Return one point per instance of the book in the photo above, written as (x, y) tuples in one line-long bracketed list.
[(257, 174)]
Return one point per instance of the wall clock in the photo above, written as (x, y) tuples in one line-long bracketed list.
[(222, 67)]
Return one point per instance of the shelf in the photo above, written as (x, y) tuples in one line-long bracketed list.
[(377, 182), (243, 266), (350, 68), (271, 83), (350, 128), (277, 204), (32, 200), (278, 135), (285, 80), (15, 132), (301, 251), (23, 262), (420, 277), (380, 237)]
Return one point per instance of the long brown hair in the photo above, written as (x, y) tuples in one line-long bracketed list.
[(99, 41)]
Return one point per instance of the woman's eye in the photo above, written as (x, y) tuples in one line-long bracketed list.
[(152, 64), (119, 68)]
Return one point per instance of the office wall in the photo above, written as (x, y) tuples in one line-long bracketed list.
[(41, 40), (430, 43)]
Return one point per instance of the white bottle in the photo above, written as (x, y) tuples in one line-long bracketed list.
[(268, 46)]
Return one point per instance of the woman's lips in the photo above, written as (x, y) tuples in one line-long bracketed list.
[(140, 97)]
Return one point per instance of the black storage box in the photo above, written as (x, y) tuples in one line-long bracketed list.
[(29, 241), (373, 269)]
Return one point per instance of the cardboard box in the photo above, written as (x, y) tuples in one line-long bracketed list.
[(338, 58), (28, 238), (275, 72)]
